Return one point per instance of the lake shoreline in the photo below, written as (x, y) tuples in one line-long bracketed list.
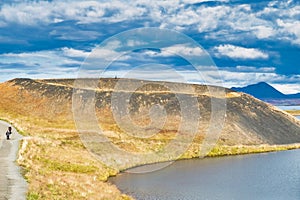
[(260, 149), (266, 175), (234, 150)]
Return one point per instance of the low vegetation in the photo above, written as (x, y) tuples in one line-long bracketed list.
[(58, 166), (293, 112)]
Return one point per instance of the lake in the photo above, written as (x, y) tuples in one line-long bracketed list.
[(266, 176), (290, 108)]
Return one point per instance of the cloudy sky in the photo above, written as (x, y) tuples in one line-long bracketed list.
[(249, 41)]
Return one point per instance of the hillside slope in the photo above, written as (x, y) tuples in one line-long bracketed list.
[(55, 156), (248, 120)]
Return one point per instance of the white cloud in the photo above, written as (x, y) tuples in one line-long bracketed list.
[(41, 62), (39, 12), (240, 79), (279, 20), (254, 69), (183, 50), (178, 50), (106, 54), (261, 24), (262, 32), (26, 13), (181, 15), (98, 53), (282, 20), (292, 28), (72, 34), (51, 65), (287, 88), (237, 52), (70, 52), (135, 43)]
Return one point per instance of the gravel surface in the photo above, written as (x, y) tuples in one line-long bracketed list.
[(12, 184)]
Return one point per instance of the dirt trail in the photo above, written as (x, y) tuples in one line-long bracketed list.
[(12, 184)]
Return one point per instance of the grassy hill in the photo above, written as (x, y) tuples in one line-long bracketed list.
[(58, 166)]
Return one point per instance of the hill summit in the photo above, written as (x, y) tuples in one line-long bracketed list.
[(248, 120)]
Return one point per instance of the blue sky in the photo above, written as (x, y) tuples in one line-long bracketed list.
[(249, 41)]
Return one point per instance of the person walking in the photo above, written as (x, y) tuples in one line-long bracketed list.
[(8, 133)]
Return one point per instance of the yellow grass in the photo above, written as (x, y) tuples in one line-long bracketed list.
[(59, 167), (56, 163), (293, 112)]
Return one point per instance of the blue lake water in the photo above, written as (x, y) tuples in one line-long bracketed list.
[(268, 176), (289, 107)]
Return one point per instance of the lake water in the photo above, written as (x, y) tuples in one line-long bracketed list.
[(289, 107), (268, 176)]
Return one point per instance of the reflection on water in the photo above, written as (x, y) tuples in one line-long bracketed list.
[(260, 177)]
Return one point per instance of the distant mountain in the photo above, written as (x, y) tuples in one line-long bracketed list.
[(265, 91)]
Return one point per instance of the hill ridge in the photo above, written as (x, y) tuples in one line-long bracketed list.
[(245, 114)]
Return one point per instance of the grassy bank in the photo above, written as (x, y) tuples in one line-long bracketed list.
[(244, 149), (57, 165), (293, 112)]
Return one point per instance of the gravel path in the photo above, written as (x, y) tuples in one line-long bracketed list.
[(12, 184)]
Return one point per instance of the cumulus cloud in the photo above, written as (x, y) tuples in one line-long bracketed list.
[(182, 15), (287, 88), (178, 49), (39, 12), (42, 58), (70, 52), (72, 34), (135, 43), (72, 25), (237, 52), (254, 69), (39, 64), (290, 28)]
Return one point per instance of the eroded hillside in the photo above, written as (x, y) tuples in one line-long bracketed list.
[(58, 164), (248, 120)]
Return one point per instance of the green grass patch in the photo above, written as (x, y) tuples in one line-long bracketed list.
[(33, 196), (68, 167), (239, 150)]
